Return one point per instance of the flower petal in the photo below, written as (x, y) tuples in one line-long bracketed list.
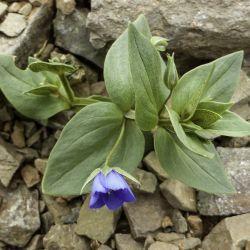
[(125, 195), (98, 184), (112, 201), (115, 181), (96, 200)]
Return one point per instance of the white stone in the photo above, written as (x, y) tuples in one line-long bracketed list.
[(13, 25), (3, 9)]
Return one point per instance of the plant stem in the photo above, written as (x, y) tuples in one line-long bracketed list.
[(67, 88), (83, 101)]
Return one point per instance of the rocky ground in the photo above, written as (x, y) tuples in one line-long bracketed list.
[(168, 214)]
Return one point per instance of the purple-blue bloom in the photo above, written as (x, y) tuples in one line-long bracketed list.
[(110, 189)]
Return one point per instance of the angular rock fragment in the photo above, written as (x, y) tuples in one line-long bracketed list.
[(148, 181), (19, 216), (126, 242), (13, 25), (230, 233), (180, 224), (146, 214), (30, 176), (3, 9), (163, 246), (237, 166), (64, 237), (152, 163), (72, 35), (90, 218), (179, 195), (10, 161)]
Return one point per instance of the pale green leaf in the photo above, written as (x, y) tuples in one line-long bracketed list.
[(217, 107), (45, 89), (205, 118), (150, 91), (215, 81), (90, 178), (190, 168), (97, 135), (14, 82), (54, 67), (230, 125), (126, 174), (117, 73), (190, 126), (193, 145)]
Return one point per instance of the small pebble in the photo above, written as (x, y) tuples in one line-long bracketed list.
[(25, 9)]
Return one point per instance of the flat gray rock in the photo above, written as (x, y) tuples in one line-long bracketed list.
[(237, 166), (72, 35), (180, 223), (148, 181), (97, 224), (197, 28), (230, 233), (13, 25), (163, 246), (152, 163), (179, 195), (146, 214), (64, 237), (19, 216), (241, 97), (126, 242)]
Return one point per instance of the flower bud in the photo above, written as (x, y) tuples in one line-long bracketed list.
[(159, 43), (171, 74)]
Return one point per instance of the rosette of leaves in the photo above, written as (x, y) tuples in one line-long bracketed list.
[(183, 119)]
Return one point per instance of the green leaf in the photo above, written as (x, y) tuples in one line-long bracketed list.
[(187, 140), (43, 90), (205, 118), (229, 125), (14, 82), (150, 91), (117, 73), (217, 107), (190, 168), (127, 175), (96, 136), (54, 67), (191, 126), (189, 89), (215, 81), (90, 178)]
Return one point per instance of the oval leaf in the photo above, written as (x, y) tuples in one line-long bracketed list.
[(190, 168), (95, 133), (117, 73), (229, 125), (146, 71), (205, 118), (193, 145), (217, 107)]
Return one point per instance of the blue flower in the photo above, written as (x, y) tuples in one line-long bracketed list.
[(110, 189)]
